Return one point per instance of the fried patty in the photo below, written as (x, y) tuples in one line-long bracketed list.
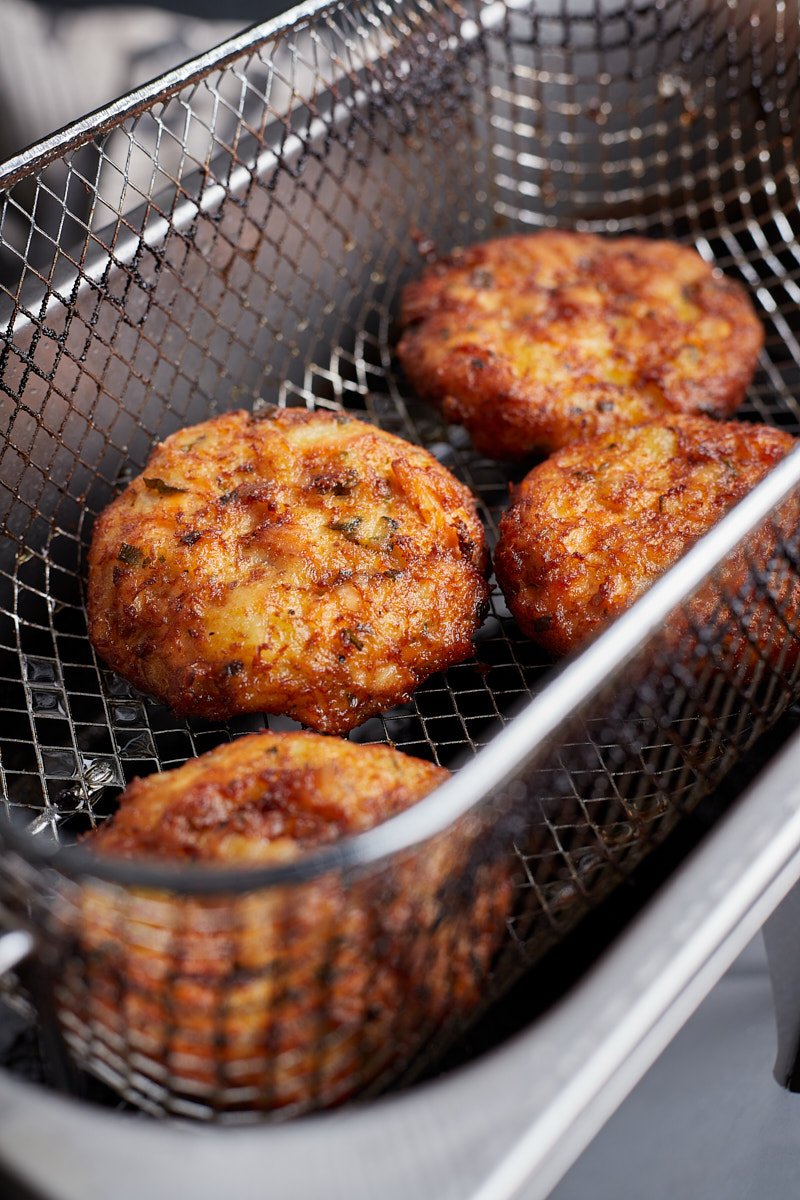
[(303, 563), (264, 798), (592, 527), (537, 342), (287, 996)]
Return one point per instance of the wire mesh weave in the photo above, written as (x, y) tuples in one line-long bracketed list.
[(240, 233)]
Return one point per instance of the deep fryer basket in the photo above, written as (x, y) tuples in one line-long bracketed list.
[(239, 232)]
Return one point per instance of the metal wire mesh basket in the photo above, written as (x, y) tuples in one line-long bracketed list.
[(236, 233)]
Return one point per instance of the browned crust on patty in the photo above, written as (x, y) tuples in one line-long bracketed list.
[(536, 342), (267, 797), (304, 563), (592, 527), (287, 996)]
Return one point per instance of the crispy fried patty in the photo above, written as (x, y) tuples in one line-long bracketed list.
[(536, 342), (264, 798), (304, 563), (284, 996), (591, 528)]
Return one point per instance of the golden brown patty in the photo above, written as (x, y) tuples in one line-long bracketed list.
[(305, 563), (264, 798), (590, 529), (536, 342), (282, 996)]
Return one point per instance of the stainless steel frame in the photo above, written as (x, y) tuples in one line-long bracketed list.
[(123, 322)]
